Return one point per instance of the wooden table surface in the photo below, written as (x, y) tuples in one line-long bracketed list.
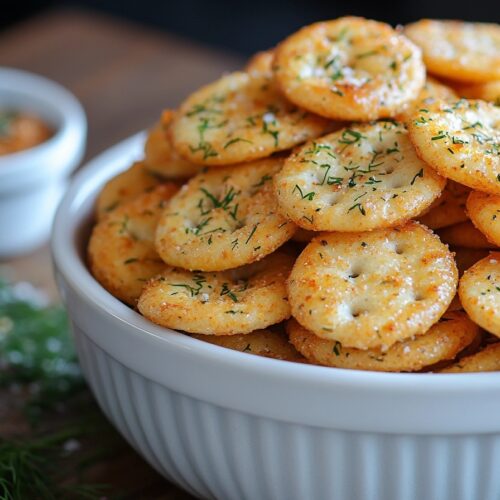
[(124, 75)]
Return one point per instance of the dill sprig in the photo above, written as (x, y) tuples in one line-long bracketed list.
[(36, 356), (36, 351)]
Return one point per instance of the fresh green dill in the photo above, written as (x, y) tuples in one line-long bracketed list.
[(35, 347), (206, 148), (307, 196), (235, 140), (273, 133), (360, 207), (199, 227), (367, 54), (251, 234), (251, 121), (223, 202), (438, 137), (124, 225), (199, 283), (473, 125), (227, 291), (350, 136), (371, 180), (265, 178), (112, 206), (420, 174), (337, 348)]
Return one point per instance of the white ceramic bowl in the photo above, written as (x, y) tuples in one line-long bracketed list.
[(228, 425), (32, 181)]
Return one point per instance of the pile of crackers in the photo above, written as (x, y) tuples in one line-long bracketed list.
[(331, 204)]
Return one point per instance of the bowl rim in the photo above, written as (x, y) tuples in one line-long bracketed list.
[(19, 167), (70, 266)]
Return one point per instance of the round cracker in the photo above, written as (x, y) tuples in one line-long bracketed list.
[(121, 249), (125, 187), (373, 289), (225, 303), (461, 141), (357, 179), (264, 343), (458, 50), (479, 291), (159, 155), (449, 208), (489, 91), (484, 211), (224, 218), (239, 118), (445, 339), (465, 235), (486, 360), (350, 69)]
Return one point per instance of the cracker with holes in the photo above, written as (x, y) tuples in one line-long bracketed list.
[(349, 69), (449, 208), (159, 155), (461, 140), (484, 211), (224, 218), (231, 302), (125, 187), (239, 118), (261, 343), (465, 235), (479, 292), (445, 339), (457, 50), (357, 179), (121, 249), (486, 360), (373, 289)]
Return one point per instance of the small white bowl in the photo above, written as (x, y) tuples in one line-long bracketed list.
[(228, 425), (32, 181)]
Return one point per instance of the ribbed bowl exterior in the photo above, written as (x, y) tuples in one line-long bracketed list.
[(228, 425), (215, 452)]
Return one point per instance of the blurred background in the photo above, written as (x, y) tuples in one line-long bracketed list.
[(245, 27)]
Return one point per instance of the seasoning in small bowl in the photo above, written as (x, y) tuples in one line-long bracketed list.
[(21, 130), (42, 140)]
